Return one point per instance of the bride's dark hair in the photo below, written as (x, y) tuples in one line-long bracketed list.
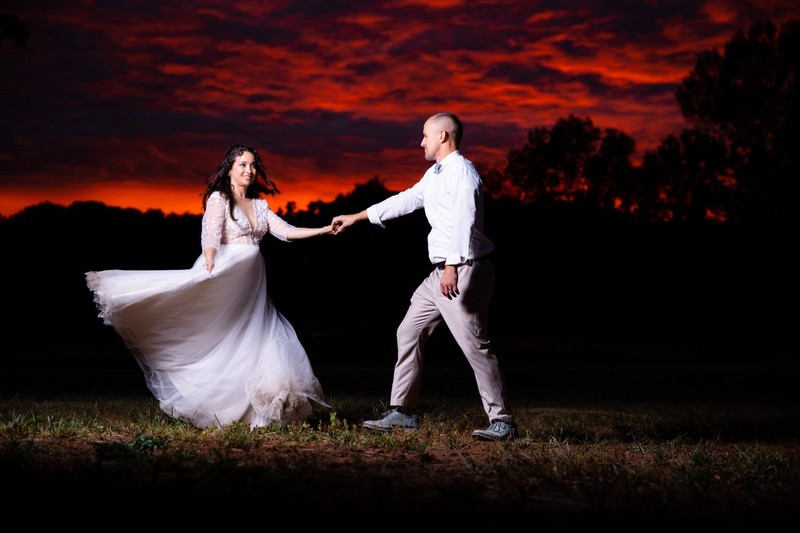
[(220, 179)]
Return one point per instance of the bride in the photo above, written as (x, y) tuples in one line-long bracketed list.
[(211, 344)]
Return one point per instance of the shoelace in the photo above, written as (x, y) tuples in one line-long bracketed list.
[(390, 411), (499, 426)]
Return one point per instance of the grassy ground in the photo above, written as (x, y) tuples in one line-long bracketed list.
[(634, 447)]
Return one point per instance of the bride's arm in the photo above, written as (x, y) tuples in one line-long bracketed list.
[(304, 233), (287, 232)]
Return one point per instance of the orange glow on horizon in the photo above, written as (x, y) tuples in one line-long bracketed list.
[(170, 200)]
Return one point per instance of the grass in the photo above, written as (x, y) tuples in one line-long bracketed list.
[(631, 465)]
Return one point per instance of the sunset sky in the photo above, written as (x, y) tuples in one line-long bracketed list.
[(133, 103)]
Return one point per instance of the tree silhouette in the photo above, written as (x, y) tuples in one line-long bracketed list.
[(574, 161), (686, 180), (614, 183), (550, 166), (747, 99)]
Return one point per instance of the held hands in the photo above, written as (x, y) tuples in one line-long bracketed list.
[(340, 222)]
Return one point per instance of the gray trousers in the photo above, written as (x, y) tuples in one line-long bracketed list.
[(467, 317)]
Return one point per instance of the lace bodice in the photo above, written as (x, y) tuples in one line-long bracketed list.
[(220, 228)]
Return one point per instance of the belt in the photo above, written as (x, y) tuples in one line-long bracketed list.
[(440, 265)]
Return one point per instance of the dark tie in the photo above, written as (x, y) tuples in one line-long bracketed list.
[(437, 168)]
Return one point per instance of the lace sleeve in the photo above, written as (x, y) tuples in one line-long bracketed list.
[(278, 227), (213, 220)]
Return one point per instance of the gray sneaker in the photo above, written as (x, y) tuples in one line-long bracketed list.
[(497, 430), (393, 418)]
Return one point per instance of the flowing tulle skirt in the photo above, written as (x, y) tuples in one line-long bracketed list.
[(213, 347)]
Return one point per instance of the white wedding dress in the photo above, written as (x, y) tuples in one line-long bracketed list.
[(213, 347)]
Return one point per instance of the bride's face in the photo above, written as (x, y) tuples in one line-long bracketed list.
[(243, 171)]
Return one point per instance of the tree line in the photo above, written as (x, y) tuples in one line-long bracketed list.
[(566, 271)]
